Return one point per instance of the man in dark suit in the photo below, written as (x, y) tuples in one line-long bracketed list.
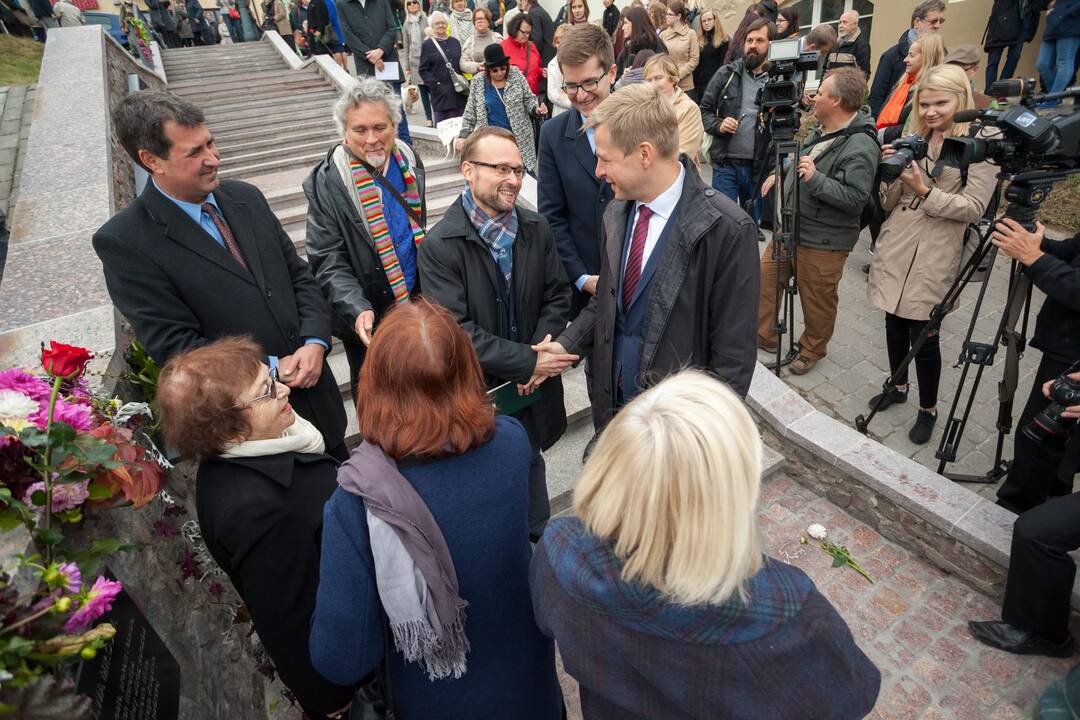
[(193, 259), (678, 281), (494, 266), (569, 194)]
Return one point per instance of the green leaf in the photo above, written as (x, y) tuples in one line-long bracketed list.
[(99, 491), (838, 561), (9, 521), (49, 536), (105, 546), (61, 433)]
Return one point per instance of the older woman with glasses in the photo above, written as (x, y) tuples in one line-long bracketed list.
[(439, 51), (501, 97), (472, 51), (262, 481)]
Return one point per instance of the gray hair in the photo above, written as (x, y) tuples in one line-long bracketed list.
[(367, 90), (139, 120), (437, 16), (925, 8)]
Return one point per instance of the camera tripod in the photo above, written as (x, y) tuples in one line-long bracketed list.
[(1025, 193)]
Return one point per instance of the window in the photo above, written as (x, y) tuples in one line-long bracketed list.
[(816, 12)]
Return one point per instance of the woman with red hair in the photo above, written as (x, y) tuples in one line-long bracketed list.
[(429, 526)]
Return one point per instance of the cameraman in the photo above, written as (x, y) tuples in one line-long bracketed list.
[(837, 174), (919, 249), (1054, 267), (1035, 613)]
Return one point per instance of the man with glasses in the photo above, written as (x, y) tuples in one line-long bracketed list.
[(494, 266), (928, 17), (569, 194), (195, 258)]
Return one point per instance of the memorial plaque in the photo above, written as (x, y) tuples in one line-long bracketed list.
[(134, 677)]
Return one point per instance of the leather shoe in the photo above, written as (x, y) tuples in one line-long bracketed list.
[(767, 347), (589, 448), (802, 365), (1003, 636)]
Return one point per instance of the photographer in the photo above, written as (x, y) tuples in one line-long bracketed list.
[(1053, 267), (1035, 613), (919, 249), (837, 175)]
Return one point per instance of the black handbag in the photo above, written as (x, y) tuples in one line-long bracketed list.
[(373, 700)]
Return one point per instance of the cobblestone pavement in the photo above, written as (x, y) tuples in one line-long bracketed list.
[(912, 622), (857, 364)]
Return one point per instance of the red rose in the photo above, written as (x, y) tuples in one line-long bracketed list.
[(64, 361)]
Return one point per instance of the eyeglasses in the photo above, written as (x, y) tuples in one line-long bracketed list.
[(271, 391), (587, 86), (517, 171)]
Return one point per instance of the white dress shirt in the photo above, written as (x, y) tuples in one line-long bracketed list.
[(663, 205)]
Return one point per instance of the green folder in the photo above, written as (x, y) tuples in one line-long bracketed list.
[(507, 401)]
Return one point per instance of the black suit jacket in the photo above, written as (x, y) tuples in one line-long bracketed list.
[(572, 198), (180, 289), (261, 520)]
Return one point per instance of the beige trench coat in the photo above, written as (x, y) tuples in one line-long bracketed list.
[(919, 248), (682, 46)]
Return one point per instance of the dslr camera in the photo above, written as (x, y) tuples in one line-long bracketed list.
[(1049, 428), (909, 149)]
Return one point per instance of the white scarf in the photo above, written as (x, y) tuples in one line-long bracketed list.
[(300, 437)]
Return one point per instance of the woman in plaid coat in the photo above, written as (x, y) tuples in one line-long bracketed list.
[(658, 593)]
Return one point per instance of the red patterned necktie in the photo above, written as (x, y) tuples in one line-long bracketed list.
[(637, 252), (226, 233)]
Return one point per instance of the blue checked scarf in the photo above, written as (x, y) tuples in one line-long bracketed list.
[(497, 232)]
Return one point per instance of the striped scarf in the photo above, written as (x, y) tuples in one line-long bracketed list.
[(371, 202)]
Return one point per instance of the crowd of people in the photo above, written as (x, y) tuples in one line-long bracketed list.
[(425, 572)]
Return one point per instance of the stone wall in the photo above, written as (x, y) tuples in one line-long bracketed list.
[(118, 65)]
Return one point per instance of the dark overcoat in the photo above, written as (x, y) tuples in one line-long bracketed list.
[(702, 305), (435, 75), (258, 517), (180, 288), (368, 27), (572, 198), (890, 69), (458, 272)]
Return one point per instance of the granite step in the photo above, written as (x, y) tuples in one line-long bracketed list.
[(277, 88), (233, 159), (231, 70), (270, 109), (255, 137), (300, 160), (224, 49), (229, 128), (269, 77), (212, 62)]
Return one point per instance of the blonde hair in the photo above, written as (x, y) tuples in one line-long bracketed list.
[(932, 47), (719, 36), (667, 65), (673, 484), (638, 114), (944, 78)]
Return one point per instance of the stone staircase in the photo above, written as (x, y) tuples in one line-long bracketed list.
[(272, 125)]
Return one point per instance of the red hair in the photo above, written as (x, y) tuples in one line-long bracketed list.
[(421, 390)]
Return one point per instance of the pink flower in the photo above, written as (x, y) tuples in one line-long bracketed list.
[(97, 602), (80, 417), (21, 381), (70, 577), (66, 496)]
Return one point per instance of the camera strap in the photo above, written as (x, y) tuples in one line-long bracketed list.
[(846, 132)]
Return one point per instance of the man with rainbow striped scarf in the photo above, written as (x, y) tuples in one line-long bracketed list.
[(366, 216)]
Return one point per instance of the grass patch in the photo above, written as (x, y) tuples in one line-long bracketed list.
[(20, 60), (1061, 211)]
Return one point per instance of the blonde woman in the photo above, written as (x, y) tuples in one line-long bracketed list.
[(924, 54), (918, 250), (682, 44), (560, 102), (461, 21), (664, 562), (661, 71), (712, 47)]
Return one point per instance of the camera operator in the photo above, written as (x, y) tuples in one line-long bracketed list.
[(837, 175), (919, 248), (1035, 613), (1053, 267)]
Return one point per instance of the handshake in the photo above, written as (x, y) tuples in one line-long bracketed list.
[(551, 359)]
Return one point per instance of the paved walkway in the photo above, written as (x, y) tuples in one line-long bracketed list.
[(16, 103), (857, 365), (912, 622)]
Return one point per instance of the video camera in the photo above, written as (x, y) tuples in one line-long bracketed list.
[(1028, 141), (782, 92)]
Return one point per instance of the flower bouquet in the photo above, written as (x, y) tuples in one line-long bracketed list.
[(64, 452)]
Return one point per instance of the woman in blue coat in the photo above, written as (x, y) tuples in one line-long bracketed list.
[(437, 492)]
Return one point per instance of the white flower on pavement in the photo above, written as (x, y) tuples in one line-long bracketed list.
[(818, 532), (15, 405)]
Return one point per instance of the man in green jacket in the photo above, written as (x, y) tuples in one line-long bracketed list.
[(837, 170)]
